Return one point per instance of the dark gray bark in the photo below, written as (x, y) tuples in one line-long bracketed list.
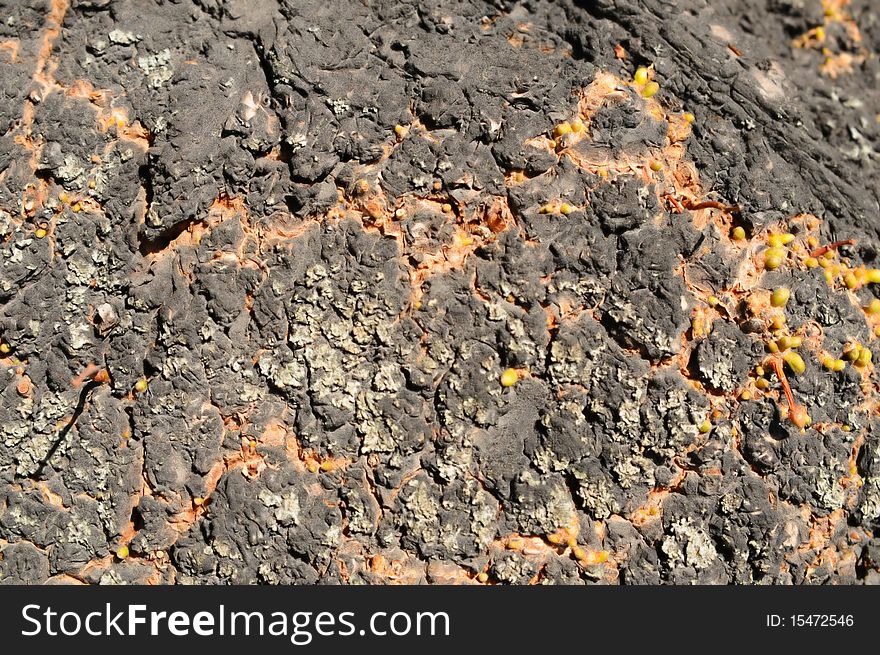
[(360, 292)]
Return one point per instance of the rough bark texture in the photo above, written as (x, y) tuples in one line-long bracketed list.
[(265, 265)]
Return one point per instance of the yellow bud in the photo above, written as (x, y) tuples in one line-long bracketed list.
[(650, 90), (873, 276), (705, 426), (509, 377), (122, 552), (597, 557), (141, 385), (773, 258), (811, 262), (40, 233), (794, 361), (689, 117), (873, 307), (772, 262), (641, 76), (738, 234), (780, 297), (566, 209), (561, 130)]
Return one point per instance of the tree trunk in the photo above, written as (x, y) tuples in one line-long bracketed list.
[(571, 292)]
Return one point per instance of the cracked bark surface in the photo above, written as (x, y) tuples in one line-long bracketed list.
[(447, 292)]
